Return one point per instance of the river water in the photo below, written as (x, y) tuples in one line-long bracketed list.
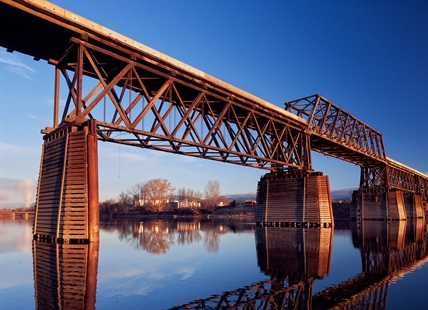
[(218, 264)]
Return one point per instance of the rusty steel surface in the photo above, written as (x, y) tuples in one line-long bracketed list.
[(141, 97)]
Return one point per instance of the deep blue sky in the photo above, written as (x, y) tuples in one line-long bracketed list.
[(368, 57)]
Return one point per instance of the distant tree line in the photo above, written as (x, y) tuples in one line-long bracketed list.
[(158, 195), (19, 209)]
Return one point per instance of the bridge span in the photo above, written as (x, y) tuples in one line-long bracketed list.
[(121, 91)]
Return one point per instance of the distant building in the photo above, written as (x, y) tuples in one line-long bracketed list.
[(186, 203)]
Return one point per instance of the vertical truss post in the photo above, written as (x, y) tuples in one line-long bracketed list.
[(314, 110), (56, 96), (306, 151), (93, 199), (374, 177), (79, 73)]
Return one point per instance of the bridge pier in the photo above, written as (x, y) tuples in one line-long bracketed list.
[(386, 205), (299, 199), (67, 206)]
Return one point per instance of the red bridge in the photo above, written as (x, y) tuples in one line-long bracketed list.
[(124, 92)]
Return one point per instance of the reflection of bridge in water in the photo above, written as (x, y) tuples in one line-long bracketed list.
[(295, 257), (22, 214)]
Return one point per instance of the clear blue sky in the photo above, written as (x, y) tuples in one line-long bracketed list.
[(368, 57)]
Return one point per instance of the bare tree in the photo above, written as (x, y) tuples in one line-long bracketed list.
[(182, 196), (138, 192), (159, 192), (125, 198), (195, 197), (212, 193), (188, 198)]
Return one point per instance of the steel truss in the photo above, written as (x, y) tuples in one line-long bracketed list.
[(337, 133), (385, 177), (270, 294), (386, 261), (139, 102)]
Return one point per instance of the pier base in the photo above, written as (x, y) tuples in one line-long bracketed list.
[(294, 199)]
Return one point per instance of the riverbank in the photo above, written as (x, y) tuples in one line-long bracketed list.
[(224, 212)]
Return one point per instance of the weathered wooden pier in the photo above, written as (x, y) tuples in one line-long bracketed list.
[(67, 198), (290, 199)]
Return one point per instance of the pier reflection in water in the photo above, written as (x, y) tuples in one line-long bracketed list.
[(65, 275), (389, 250), (291, 259)]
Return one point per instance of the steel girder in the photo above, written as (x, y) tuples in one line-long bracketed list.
[(139, 102), (337, 133)]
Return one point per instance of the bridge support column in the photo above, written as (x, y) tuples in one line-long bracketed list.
[(379, 205), (67, 199), (290, 199)]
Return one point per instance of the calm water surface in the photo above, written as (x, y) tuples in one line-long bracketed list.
[(209, 264)]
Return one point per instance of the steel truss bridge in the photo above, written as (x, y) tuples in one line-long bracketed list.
[(143, 98)]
